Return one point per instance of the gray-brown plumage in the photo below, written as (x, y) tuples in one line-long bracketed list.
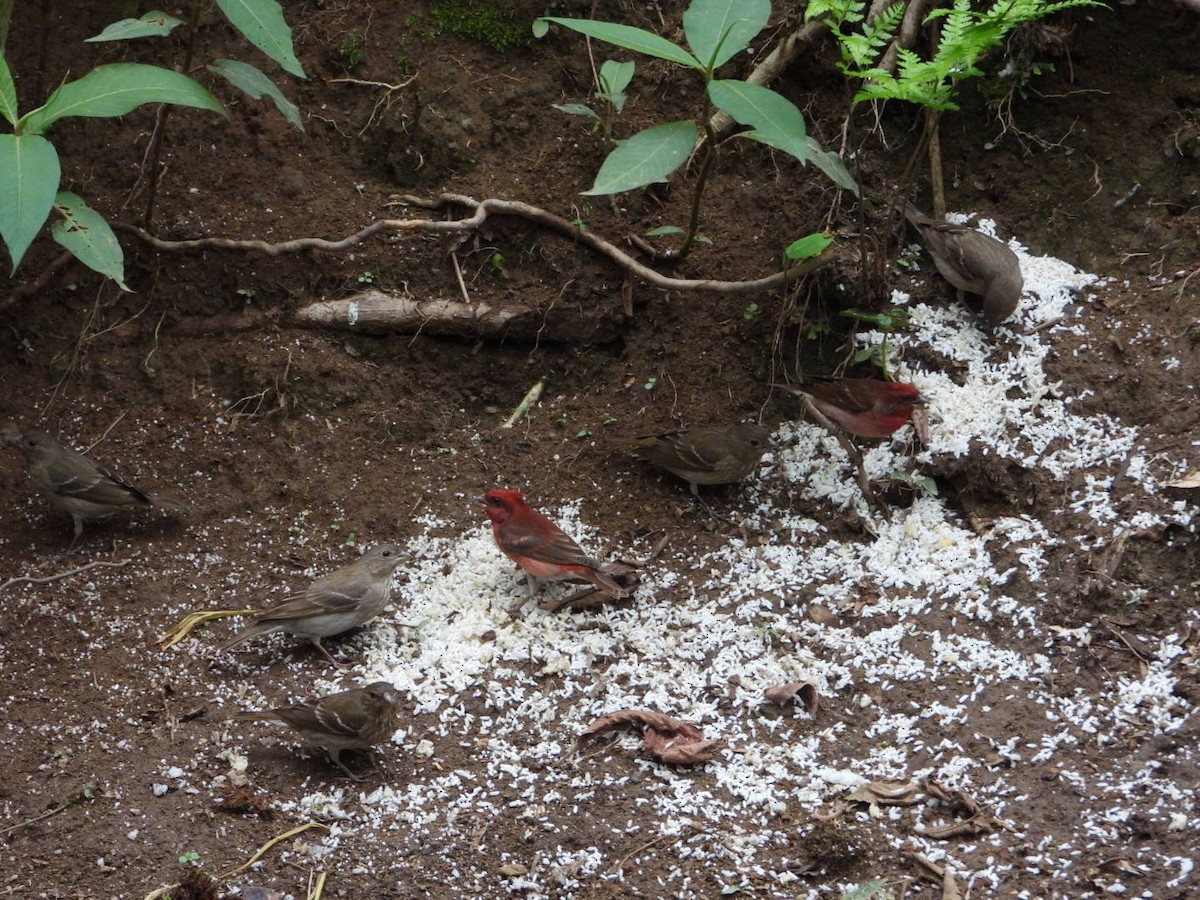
[(77, 485), (337, 602), (972, 262), (357, 719), (717, 454)]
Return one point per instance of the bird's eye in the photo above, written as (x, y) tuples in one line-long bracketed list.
[(386, 553)]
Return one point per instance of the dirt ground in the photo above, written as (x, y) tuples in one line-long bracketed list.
[(296, 446)]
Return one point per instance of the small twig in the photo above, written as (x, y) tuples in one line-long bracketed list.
[(462, 285), (100, 439), (531, 397), (267, 846), (48, 578), (315, 894), (642, 849), (639, 562), (75, 797), (864, 483)]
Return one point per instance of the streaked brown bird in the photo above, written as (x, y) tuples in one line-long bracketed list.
[(716, 454), (973, 262), (334, 603), (357, 719), (864, 407), (79, 486)]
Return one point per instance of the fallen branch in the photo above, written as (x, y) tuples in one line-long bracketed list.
[(48, 578)]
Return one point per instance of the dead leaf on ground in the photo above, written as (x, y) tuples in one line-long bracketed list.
[(781, 693), (1190, 480), (667, 739), (888, 793)]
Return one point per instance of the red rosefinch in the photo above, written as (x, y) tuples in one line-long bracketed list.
[(337, 602), (718, 454), (539, 546), (862, 406), (77, 485), (357, 719), (972, 262)]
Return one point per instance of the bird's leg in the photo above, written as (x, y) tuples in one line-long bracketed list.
[(316, 641), (78, 535), (335, 758)]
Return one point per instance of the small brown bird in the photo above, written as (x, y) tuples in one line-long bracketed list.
[(77, 485), (865, 407), (357, 719), (717, 454), (972, 262), (539, 546), (337, 602)]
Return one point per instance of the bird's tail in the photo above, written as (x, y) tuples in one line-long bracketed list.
[(606, 584), (256, 716), (170, 503)]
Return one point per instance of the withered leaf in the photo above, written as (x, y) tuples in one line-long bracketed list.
[(887, 793), (781, 693), (678, 750), (641, 718)]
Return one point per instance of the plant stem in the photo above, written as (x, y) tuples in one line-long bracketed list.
[(154, 155), (6, 9), (937, 185), (706, 164)]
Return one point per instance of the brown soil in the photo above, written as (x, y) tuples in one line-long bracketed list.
[(288, 439)]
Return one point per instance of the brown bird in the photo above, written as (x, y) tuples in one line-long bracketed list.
[(337, 602), (77, 485), (865, 407), (972, 262), (539, 546), (717, 454), (357, 719)]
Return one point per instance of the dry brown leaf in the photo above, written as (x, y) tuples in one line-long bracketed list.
[(920, 422), (679, 752), (888, 793), (642, 718), (781, 693), (957, 801), (1190, 480)]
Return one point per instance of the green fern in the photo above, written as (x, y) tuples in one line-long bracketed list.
[(967, 34)]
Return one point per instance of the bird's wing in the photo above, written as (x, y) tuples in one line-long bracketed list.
[(345, 717), (841, 394), (313, 602), (79, 477), (558, 548)]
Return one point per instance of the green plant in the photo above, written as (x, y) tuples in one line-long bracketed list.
[(715, 30), (493, 26), (30, 172), (352, 49), (966, 35), (887, 321), (191, 857), (496, 261), (614, 77)]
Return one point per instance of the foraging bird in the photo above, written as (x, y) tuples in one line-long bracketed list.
[(862, 406), (973, 262), (337, 602), (538, 546), (77, 485), (718, 454), (357, 719)]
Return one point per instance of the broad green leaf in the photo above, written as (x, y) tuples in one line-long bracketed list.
[(717, 29), (807, 246), (630, 38), (647, 157), (664, 231), (615, 77), (84, 232), (775, 119), (831, 164), (29, 174), (114, 90), (247, 78), (263, 25), (8, 92), (576, 109), (152, 24)]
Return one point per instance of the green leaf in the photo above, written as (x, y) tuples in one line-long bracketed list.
[(831, 164), (717, 29), (250, 80), (615, 77), (152, 24), (775, 119), (114, 90), (85, 233), (576, 109), (630, 38), (664, 231), (808, 246), (263, 25), (647, 157), (8, 92), (29, 174)]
